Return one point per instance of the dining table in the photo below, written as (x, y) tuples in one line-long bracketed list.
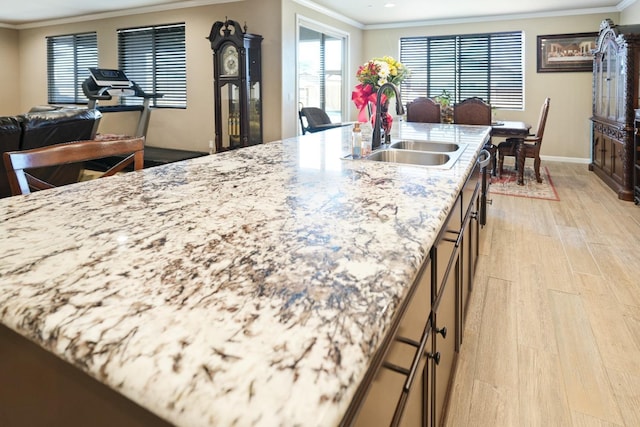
[(511, 129)]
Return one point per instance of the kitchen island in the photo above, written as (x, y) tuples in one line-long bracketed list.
[(250, 287)]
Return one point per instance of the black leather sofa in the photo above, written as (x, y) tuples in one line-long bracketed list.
[(42, 128)]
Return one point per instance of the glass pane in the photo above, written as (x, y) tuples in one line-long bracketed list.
[(255, 130), (320, 68), (309, 71), (614, 72), (230, 95), (333, 78), (604, 100)]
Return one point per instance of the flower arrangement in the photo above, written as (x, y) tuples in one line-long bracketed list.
[(372, 75), (379, 71)]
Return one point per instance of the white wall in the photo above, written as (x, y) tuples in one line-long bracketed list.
[(630, 15), (567, 135), (9, 72)]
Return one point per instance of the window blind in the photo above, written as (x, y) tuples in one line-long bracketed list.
[(155, 58), (68, 60), (489, 66)]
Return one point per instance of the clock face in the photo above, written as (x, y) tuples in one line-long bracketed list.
[(230, 61)]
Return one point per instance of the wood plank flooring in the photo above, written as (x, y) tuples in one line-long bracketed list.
[(553, 330)]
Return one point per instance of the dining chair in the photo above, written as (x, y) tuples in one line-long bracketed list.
[(529, 146), (472, 111), (316, 120), (18, 162), (423, 110)]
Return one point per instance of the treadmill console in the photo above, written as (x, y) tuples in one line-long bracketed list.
[(110, 78)]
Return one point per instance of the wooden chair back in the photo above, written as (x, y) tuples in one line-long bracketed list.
[(18, 162), (542, 122), (423, 110), (530, 145), (472, 111)]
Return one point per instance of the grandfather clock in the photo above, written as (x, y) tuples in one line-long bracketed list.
[(237, 84)]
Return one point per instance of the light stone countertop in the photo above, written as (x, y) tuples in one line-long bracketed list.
[(260, 279)]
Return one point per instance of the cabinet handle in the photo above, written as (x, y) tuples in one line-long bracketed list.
[(411, 372), (474, 215), (442, 331), (435, 356)]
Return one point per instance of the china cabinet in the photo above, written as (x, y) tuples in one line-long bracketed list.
[(238, 85), (615, 97)]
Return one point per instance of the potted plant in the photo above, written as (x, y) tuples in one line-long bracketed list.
[(446, 109)]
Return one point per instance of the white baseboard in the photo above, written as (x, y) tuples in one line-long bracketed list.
[(566, 159)]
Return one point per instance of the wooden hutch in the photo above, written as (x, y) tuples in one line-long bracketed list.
[(616, 96)]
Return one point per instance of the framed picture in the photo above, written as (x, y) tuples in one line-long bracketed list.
[(566, 52)]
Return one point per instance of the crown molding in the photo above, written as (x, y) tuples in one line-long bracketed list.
[(115, 14), (330, 13)]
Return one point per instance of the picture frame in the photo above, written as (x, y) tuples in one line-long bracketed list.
[(566, 52)]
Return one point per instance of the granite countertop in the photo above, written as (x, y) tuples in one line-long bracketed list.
[(260, 280)]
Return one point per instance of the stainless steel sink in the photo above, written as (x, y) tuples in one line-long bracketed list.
[(422, 158), (432, 154), (408, 144)]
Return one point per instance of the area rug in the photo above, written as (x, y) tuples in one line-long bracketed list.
[(508, 185)]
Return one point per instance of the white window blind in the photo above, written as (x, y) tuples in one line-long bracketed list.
[(488, 66), (68, 60), (155, 58)]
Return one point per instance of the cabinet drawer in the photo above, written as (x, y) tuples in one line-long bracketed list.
[(444, 343)]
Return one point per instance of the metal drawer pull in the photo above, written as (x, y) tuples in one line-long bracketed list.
[(396, 368), (409, 373)]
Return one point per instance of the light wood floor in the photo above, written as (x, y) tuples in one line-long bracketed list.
[(553, 332)]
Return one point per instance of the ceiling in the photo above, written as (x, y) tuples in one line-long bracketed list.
[(363, 12), (372, 12)]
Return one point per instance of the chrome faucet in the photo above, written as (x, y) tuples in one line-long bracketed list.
[(377, 138)]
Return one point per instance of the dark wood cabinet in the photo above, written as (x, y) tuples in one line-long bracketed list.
[(616, 87), (412, 376), (237, 71), (401, 384), (636, 160)]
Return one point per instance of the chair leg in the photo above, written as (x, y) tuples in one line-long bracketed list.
[(536, 167), (520, 158), (500, 163)]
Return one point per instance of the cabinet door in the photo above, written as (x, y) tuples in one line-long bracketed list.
[(469, 251), (617, 164), (444, 341), (598, 145), (605, 151)]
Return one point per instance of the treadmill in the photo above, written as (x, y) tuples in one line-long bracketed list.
[(103, 84)]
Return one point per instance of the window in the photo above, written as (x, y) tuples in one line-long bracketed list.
[(320, 69), (68, 60), (155, 59), (488, 66)]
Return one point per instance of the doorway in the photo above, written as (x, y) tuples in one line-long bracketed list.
[(321, 68)]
